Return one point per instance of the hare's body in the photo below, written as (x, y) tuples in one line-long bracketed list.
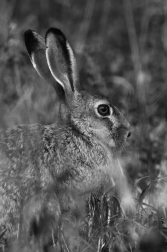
[(44, 155), (31, 164), (44, 164), (32, 158)]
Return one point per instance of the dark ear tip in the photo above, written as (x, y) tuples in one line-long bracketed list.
[(28, 38), (28, 35), (56, 32), (33, 41)]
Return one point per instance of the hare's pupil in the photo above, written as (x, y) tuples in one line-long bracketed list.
[(103, 110)]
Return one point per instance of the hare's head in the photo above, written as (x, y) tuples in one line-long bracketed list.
[(91, 116)]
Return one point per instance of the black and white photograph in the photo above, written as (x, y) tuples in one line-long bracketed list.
[(83, 126)]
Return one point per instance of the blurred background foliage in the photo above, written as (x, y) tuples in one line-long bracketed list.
[(121, 47)]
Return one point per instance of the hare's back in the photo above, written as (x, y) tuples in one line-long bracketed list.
[(20, 159), (20, 150)]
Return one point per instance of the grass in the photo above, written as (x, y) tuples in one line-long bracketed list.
[(130, 70)]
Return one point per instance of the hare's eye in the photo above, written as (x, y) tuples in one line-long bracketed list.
[(103, 110)]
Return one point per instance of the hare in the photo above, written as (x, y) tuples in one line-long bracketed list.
[(40, 166)]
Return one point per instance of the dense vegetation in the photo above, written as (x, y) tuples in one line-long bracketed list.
[(121, 47)]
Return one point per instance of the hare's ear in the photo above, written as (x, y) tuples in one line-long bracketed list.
[(36, 48), (61, 61)]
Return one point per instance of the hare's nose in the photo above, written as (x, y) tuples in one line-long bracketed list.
[(129, 134)]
